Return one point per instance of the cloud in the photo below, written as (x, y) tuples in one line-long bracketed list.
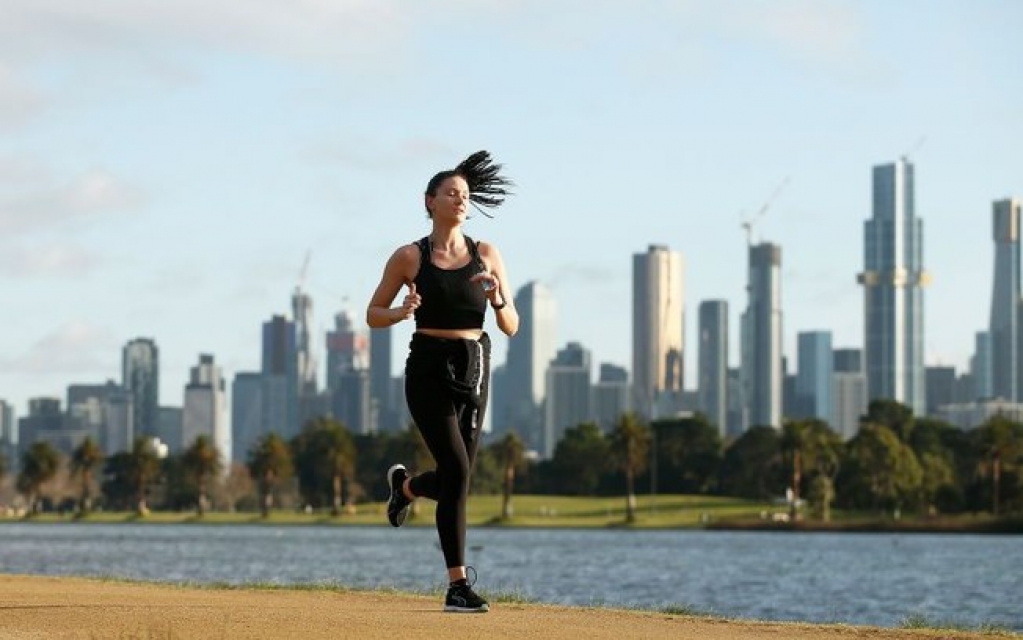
[(365, 154), (47, 260), (19, 102), (75, 347), (35, 29), (93, 194)]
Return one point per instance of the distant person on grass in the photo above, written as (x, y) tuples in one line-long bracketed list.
[(451, 280)]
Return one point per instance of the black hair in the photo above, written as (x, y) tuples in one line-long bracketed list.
[(487, 187)]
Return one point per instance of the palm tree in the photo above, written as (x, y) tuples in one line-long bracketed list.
[(202, 462), (38, 466), (84, 460), (792, 442), (511, 453), (269, 463), (324, 456), (630, 445), (141, 466)]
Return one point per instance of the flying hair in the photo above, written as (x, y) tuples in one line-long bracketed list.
[(487, 187)]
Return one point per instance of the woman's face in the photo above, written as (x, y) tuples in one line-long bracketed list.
[(450, 201)]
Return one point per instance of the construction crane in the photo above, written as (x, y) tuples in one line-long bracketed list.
[(748, 223)]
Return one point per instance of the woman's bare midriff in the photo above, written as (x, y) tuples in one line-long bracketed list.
[(454, 334)]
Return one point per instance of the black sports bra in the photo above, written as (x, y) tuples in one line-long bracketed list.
[(449, 299)]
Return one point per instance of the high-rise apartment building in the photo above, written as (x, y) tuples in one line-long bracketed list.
[(814, 377), (258, 405), (204, 412), (140, 376), (712, 363), (523, 383), (280, 358), (568, 403), (612, 395), (762, 338), (658, 305), (1006, 376), (981, 368), (302, 310), (106, 411), (893, 280), (347, 349), (941, 385), (389, 407)]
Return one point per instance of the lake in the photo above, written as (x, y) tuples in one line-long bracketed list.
[(877, 579)]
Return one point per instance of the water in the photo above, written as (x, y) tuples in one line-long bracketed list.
[(878, 579)]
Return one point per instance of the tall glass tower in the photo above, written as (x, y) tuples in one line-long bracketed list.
[(713, 362), (140, 376), (530, 351), (1005, 303), (657, 331), (762, 373), (893, 282)]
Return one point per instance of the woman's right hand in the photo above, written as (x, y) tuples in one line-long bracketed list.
[(409, 305)]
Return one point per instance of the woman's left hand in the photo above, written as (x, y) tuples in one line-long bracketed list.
[(490, 284)]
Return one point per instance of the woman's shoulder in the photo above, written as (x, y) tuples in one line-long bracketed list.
[(486, 248)]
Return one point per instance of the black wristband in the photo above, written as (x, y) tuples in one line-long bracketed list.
[(498, 307)]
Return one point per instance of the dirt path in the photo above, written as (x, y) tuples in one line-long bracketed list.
[(48, 608)]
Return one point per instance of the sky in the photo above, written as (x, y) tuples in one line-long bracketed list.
[(166, 168)]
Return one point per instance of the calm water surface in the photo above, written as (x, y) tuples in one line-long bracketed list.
[(875, 579)]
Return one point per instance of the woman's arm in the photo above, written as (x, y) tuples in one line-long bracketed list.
[(400, 269), (507, 316)]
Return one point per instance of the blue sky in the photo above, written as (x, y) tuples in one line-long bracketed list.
[(165, 167)]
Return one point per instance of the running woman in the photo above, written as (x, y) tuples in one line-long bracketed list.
[(451, 281)]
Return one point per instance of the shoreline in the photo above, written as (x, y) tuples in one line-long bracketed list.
[(71, 607), (1005, 525)]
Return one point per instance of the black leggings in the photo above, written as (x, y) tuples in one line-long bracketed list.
[(450, 425)]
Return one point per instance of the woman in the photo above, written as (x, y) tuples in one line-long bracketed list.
[(451, 280)]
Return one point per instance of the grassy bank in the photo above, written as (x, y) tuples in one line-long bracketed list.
[(652, 512)]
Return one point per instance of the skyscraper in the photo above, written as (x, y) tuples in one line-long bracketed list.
[(893, 282), (141, 378), (657, 331), (848, 391), (762, 338), (612, 395), (981, 367), (280, 357), (302, 310), (713, 363), (814, 379), (523, 381), (381, 382), (1006, 379), (204, 412), (569, 394), (347, 349)]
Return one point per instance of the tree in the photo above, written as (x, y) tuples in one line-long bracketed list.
[(996, 457), (629, 453), (84, 461), (821, 460), (879, 470), (688, 455), (511, 455), (39, 465), (202, 462), (752, 467), (324, 455), (140, 466), (578, 460), (269, 463), (792, 448), (894, 415)]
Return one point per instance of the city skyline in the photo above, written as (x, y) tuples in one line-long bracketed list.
[(158, 179)]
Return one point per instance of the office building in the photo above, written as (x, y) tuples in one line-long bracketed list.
[(658, 307), (893, 280), (762, 368), (712, 386)]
